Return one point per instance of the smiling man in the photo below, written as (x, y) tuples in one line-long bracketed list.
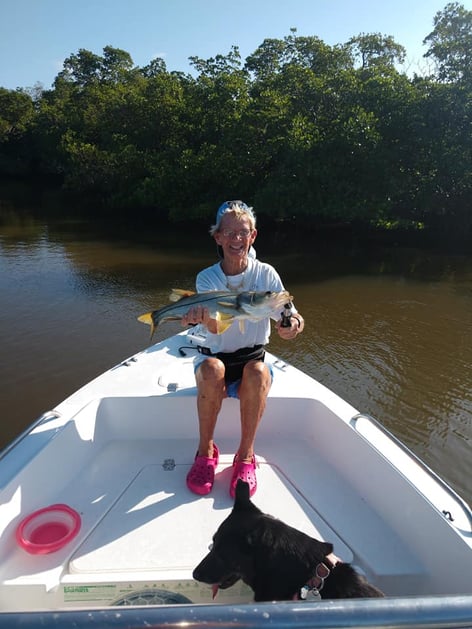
[(232, 363)]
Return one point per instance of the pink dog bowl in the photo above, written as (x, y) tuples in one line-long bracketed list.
[(48, 529)]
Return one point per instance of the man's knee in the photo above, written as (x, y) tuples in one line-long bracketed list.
[(211, 369), (258, 371)]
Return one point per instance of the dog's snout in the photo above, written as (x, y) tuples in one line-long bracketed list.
[(197, 573)]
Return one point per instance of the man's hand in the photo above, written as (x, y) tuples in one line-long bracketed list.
[(198, 314), (297, 324)]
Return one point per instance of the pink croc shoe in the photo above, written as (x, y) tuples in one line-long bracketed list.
[(246, 472), (201, 476)]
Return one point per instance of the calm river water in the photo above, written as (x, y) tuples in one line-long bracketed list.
[(389, 330)]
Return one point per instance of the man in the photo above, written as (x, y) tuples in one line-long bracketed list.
[(233, 362)]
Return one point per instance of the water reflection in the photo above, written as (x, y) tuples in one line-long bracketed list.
[(389, 330), (400, 350)]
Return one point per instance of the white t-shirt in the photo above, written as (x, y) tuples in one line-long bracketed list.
[(258, 276)]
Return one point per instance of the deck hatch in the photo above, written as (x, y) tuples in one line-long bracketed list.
[(158, 525)]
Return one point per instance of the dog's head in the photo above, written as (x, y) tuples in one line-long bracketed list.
[(267, 554), (230, 557), (273, 558)]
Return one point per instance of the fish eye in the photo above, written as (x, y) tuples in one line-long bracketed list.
[(210, 546)]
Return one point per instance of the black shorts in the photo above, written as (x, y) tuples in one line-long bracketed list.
[(234, 361)]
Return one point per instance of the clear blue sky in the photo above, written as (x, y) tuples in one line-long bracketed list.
[(37, 35)]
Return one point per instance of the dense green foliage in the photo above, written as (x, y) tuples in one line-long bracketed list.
[(300, 128)]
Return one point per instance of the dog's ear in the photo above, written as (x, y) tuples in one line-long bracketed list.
[(242, 499), (242, 491)]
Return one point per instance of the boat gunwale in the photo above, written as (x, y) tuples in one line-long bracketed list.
[(418, 461), (427, 612), (39, 421)]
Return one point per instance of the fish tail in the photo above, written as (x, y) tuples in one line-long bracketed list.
[(147, 318)]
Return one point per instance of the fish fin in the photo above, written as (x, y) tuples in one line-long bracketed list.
[(179, 293), (223, 322), (221, 327), (242, 326), (225, 304), (224, 316), (147, 318)]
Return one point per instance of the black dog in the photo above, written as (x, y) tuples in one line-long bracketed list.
[(277, 561)]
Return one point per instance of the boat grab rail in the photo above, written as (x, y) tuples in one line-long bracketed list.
[(424, 467), (42, 419), (438, 612)]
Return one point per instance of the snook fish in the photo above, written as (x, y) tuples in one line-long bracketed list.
[(224, 306)]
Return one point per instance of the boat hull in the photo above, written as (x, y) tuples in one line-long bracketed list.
[(118, 451)]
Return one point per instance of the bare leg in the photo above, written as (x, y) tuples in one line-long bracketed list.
[(210, 377), (253, 391), (211, 391)]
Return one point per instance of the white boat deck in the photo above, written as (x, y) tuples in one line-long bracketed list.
[(121, 457)]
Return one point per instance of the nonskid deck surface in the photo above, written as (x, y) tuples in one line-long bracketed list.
[(157, 531), (142, 527), (158, 525), (149, 519), (143, 531)]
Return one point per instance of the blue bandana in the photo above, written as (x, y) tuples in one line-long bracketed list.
[(230, 205)]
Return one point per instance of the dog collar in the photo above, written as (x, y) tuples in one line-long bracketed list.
[(311, 590)]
